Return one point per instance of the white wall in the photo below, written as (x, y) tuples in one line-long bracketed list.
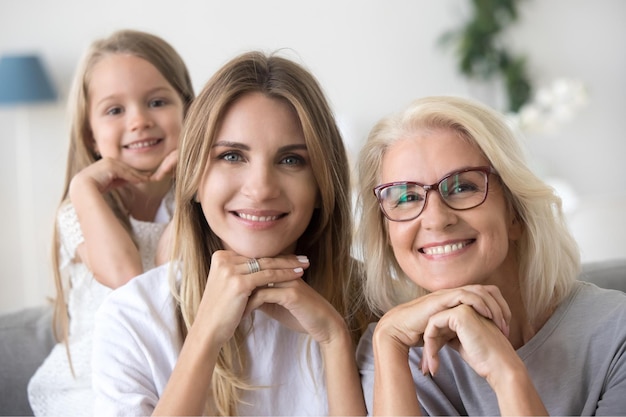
[(372, 57)]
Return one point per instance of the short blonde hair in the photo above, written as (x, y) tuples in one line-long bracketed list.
[(547, 254)]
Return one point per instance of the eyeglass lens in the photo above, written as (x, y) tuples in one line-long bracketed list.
[(460, 191)]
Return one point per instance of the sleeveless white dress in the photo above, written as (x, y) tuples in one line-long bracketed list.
[(53, 390)]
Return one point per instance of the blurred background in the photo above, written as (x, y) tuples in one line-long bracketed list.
[(371, 56)]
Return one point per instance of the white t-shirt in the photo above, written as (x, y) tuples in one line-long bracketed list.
[(137, 343), (577, 362)]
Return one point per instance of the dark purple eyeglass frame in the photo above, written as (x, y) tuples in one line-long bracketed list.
[(485, 169)]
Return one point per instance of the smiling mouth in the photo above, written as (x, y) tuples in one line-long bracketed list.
[(253, 218), (142, 144), (446, 249)]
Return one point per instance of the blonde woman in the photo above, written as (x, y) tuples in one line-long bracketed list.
[(470, 260), (127, 104), (257, 316)]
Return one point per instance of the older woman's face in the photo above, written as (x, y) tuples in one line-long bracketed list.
[(443, 247)]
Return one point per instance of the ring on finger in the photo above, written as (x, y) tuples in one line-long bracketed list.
[(253, 265)]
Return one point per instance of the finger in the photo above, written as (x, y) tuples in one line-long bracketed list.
[(275, 276), (498, 307), (282, 262), (485, 300), (438, 333), (167, 167)]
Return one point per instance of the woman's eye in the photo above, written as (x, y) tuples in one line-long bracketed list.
[(407, 198), (231, 157), (293, 160), (463, 188)]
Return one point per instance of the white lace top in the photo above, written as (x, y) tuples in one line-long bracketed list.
[(53, 390)]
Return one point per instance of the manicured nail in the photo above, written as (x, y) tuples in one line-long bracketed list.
[(298, 270), (303, 259)]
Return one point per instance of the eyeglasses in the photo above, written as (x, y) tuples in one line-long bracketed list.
[(461, 190)]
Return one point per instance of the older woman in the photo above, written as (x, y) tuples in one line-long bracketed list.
[(470, 261)]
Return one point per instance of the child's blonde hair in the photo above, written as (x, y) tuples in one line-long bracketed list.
[(81, 152)]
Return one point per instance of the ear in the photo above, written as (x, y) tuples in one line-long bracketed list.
[(515, 228)]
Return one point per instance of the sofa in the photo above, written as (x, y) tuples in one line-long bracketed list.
[(26, 338)]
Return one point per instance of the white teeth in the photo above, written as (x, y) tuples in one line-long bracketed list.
[(257, 218), (440, 250), (139, 145)]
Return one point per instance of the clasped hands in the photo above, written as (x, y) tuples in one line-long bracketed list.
[(473, 319)]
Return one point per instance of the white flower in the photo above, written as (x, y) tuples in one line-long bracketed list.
[(552, 106)]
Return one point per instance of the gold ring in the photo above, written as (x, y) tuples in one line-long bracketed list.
[(253, 265)]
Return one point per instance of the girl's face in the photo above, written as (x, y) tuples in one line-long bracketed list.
[(135, 115), (258, 191), (443, 247)]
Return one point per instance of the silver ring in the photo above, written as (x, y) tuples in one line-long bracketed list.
[(253, 265)]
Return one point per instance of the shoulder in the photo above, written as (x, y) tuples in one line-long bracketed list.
[(595, 311), (600, 300), (146, 296)]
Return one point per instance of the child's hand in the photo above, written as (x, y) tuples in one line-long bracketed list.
[(167, 168), (107, 174)]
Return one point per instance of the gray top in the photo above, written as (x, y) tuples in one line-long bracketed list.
[(577, 362)]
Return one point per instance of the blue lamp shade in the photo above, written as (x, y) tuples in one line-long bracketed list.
[(23, 80)]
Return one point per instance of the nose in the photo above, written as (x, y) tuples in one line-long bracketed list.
[(261, 181), (436, 215), (139, 118)]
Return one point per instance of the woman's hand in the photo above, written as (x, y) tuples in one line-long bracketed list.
[(406, 323), (230, 285), (299, 307), (228, 289), (404, 326), (488, 352)]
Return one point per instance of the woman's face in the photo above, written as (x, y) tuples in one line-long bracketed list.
[(135, 114), (258, 192), (443, 247)]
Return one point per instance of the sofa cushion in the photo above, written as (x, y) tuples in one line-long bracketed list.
[(606, 274), (25, 342)]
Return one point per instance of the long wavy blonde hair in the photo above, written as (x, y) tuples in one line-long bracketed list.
[(327, 239), (81, 152), (547, 254)]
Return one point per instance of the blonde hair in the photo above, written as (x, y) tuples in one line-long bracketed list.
[(81, 152), (327, 239), (547, 254)]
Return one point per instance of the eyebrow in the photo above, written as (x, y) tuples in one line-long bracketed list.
[(242, 146), (156, 90)]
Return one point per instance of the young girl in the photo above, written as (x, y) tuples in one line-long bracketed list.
[(262, 232), (128, 101)]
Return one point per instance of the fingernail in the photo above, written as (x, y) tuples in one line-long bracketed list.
[(303, 259), (298, 270)]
